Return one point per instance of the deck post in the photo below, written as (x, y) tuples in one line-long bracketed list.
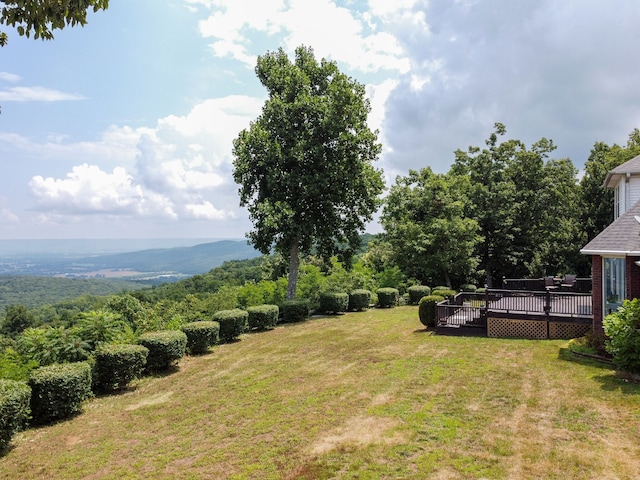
[(547, 309)]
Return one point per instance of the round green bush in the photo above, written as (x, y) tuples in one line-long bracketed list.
[(359, 300), (622, 328), (262, 317), (14, 409), (427, 309), (166, 347), (468, 287), (295, 311), (233, 323), (443, 292), (118, 364), (387, 297), (201, 335), (334, 302), (57, 391), (416, 292)]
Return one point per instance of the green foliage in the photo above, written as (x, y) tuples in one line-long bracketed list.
[(468, 287), (443, 292), (387, 297), (304, 166), (359, 300), (166, 348), (427, 309), (101, 326), (14, 367), (263, 317), (15, 398), (391, 277), (48, 345), (295, 311), (623, 331), (42, 17), (416, 292), (118, 364), (431, 238), (36, 292), (16, 319), (201, 335), (131, 310), (233, 323), (57, 391), (334, 302)]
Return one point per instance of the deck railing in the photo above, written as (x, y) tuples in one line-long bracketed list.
[(472, 309), (582, 284)]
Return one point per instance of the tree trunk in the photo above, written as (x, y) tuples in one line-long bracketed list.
[(294, 264), (447, 279)]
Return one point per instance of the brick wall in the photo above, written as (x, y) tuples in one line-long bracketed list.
[(596, 276), (632, 274)]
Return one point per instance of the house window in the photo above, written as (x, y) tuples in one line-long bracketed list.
[(616, 202), (614, 284)]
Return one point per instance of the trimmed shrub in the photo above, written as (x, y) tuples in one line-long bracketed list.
[(416, 292), (166, 347), (334, 302), (118, 364), (14, 409), (427, 309), (481, 290), (201, 335), (263, 317), (295, 311), (468, 287), (233, 323), (359, 300), (57, 391), (443, 292), (623, 331), (387, 297)]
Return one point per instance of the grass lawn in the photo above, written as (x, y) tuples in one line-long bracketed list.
[(363, 395)]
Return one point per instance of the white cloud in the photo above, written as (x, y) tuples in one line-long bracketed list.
[(9, 77), (333, 31), (181, 169), (36, 94)]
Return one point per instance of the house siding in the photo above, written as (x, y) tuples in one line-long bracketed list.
[(633, 194)]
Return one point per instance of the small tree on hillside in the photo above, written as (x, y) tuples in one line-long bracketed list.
[(305, 164)]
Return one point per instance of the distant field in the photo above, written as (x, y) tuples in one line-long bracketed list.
[(368, 395)]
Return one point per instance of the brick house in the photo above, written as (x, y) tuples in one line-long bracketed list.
[(615, 252)]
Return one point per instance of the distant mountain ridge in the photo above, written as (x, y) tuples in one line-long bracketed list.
[(174, 261)]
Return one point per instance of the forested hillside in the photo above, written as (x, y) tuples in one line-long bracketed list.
[(33, 292)]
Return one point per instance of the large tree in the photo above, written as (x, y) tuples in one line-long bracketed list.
[(432, 241), (40, 17), (516, 203), (305, 165)]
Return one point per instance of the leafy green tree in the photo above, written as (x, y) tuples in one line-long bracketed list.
[(305, 165), (100, 326), (40, 17), (16, 319), (597, 201), (507, 199), (424, 222)]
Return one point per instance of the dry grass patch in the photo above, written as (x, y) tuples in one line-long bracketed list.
[(361, 395)]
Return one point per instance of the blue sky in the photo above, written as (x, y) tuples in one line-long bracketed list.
[(123, 128)]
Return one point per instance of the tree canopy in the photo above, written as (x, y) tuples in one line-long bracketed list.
[(40, 17), (305, 165)]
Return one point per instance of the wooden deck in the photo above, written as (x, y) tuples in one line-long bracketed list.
[(516, 314)]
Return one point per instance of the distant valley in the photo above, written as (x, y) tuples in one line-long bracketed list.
[(101, 259)]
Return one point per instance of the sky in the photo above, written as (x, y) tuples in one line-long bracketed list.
[(124, 128)]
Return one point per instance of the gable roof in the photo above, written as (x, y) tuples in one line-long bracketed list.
[(622, 237), (627, 168)]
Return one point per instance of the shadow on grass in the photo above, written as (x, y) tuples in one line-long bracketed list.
[(611, 381)]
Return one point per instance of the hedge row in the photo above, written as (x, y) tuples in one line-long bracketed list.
[(15, 398), (117, 365), (165, 348), (201, 335)]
